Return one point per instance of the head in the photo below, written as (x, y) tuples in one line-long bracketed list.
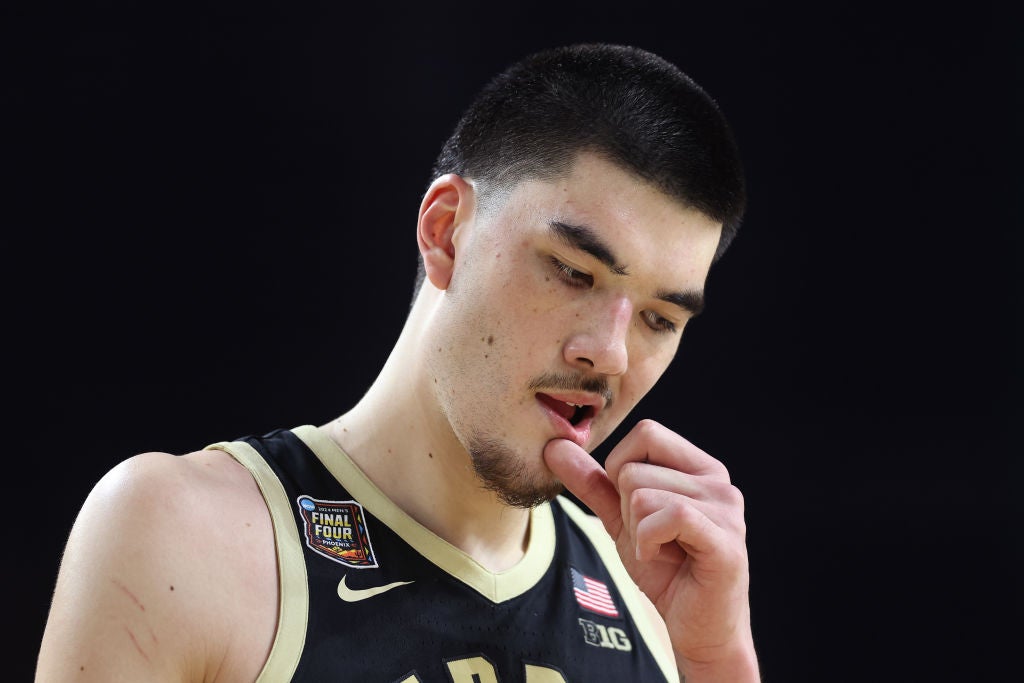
[(625, 104), (566, 237)]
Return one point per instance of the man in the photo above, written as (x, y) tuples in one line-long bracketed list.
[(566, 236)]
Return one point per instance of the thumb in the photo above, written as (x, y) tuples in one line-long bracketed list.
[(586, 479)]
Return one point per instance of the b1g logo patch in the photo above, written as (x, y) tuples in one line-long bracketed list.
[(336, 529)]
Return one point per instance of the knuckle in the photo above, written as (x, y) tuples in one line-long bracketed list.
[(647, 427), (629, 475), (719, 469), (681, 511), (733, 496), (642, 501)]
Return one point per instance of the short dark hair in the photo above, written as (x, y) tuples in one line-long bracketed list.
[(628, 105)]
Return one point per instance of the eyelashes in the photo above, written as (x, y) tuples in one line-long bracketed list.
[(657, 323), (579, 280), (569, 275)]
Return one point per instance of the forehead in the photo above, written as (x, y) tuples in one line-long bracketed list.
[(647, 229)]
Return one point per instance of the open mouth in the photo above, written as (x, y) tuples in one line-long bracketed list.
[(573, 413)]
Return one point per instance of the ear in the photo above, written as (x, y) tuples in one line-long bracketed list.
[(447, 204)]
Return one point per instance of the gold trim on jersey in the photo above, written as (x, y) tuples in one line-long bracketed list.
[(293, 603), (648, 623), (496, 587), (293, 606)]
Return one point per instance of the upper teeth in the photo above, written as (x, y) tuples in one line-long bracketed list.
[(575, 405)]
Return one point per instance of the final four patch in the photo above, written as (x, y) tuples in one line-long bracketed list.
[(336, 529)]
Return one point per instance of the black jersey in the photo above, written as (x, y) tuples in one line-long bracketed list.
[(369, 594)]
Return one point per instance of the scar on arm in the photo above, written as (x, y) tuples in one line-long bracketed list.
[(138, 603), (136, 643), (127, 592)]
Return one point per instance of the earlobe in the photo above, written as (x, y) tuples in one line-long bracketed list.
[(447, 203)]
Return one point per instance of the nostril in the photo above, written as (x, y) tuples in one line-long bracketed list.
[(587, 361)]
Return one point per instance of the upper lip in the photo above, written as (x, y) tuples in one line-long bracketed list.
[(582, 398)]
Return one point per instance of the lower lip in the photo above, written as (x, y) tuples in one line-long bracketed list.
[(579, 433)]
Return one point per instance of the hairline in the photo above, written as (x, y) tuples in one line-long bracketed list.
[(506, 183)]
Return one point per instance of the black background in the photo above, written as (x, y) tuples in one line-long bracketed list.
[(209, 233)]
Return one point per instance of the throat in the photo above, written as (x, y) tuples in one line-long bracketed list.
[(498, 557)]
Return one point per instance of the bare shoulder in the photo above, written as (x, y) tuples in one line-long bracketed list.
[(169, 574)]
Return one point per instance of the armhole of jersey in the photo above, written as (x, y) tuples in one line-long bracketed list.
[(293, 604), (639, 607)]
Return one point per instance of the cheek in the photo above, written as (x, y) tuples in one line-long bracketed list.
[(526, 302), (644, 373)]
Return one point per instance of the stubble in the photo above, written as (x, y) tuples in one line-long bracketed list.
[(502, 471)]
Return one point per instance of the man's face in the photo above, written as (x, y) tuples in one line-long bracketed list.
[(572, 291)]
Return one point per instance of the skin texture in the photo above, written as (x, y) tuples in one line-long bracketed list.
[(495, 317), (151, 588)]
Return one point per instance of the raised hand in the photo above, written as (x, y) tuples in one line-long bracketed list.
[(678, 525)]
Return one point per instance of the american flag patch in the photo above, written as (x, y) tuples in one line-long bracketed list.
[(593, 595)]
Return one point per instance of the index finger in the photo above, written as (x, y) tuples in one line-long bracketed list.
[(654, 443), (586, 479)]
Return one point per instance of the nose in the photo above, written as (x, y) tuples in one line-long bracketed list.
[(599, 344)]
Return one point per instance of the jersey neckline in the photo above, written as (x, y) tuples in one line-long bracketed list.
[(495, 586)]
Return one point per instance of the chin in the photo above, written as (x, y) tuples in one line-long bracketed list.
[(506, 473)]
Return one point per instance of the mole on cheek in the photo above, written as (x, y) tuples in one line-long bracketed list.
[(490, 339)]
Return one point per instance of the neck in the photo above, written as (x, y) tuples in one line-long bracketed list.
[(400, 438)]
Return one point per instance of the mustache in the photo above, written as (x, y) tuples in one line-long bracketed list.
[(573, 382)]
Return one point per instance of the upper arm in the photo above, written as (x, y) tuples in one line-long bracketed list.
[(147, 588)]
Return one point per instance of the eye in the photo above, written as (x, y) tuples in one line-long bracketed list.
[(657, 323), (571, 276)]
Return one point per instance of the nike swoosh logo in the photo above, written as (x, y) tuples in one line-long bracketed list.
[(353, 595)]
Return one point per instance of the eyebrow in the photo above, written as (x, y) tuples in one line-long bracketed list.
[(692, 300), (585, 239)]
